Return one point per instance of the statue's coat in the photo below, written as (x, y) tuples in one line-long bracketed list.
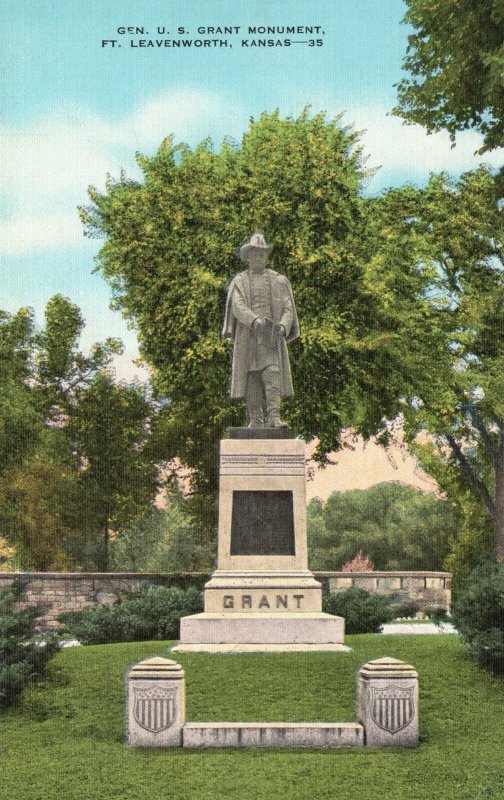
[(281, 295)]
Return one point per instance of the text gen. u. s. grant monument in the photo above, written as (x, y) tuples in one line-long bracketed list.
[(262, 595)]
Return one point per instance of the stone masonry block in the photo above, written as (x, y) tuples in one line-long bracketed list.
[(155, 703), (387, 703)]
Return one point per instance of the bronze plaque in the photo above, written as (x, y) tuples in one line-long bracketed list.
[(262, 524)]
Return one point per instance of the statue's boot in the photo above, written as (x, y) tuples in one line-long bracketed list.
[(256, 417), (254, 400), (271, 381)]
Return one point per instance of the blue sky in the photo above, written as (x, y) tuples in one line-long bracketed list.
[(73, 111)]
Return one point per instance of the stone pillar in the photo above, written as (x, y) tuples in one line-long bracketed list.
[(387, 703), (155, 703), (262, 594)]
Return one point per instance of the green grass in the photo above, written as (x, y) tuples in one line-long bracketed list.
[(64, 740)]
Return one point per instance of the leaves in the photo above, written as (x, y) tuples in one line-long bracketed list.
[(170, 251), (441, 265), (395, 526), (72, 442), (455, 60)]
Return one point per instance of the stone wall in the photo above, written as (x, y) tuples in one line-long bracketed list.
[(425, 588), (56, 592)]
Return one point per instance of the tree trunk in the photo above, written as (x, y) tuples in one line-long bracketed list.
[(499, 502)]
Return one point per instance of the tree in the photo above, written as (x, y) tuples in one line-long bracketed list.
[(396, 526), (20, 423), (455, 58), (438, 264), (54, 487), (61, 369), (359, 563), (117, 479), (165, 540), (170, 251), (33, 515)]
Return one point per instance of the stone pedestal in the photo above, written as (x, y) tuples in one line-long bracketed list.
[(387, 703), (262, 592), (155, 704)]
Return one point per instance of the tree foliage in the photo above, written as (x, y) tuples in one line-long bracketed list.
[(72, 442), (455, 60), (117, 481), (396, 526), (170, 250), (439, 267), (400, 297), (165, 540), (20, 423), (478, 613), (21, 658)]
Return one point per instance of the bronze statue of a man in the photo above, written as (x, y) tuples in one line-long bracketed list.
[(261, 318)]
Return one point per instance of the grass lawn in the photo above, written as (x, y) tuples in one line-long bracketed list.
[(64, 740)]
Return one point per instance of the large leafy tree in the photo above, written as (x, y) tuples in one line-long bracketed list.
[(396, 526), (170, 251), (117, 479), (53, 486), (455, 60), (438, 266)]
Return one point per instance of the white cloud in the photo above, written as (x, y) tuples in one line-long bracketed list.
[(126, 368), (35, 231), (47, 167), (399, 148)]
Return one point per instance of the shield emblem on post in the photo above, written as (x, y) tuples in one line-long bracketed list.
[(154, 708), (392, 707)]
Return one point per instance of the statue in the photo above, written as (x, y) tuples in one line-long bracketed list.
[(261, 318)]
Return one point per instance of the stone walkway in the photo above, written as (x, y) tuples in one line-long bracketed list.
[(417, 627)]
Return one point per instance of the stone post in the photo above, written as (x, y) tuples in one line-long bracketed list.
[(155, 703), (387, 703)]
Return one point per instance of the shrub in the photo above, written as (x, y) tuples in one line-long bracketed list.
[(21, 658), (154, 614), (478, 614), (406, 608), (437, 614), (363, 612)]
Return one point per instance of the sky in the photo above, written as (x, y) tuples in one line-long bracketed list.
[(80, 98)]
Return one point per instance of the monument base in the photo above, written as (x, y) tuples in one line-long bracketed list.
[(261, 632), (263, 592), (260, 648), (262, 597)]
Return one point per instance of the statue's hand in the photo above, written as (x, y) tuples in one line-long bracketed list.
[(260, 322)]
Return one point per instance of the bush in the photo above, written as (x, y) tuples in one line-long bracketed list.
[(407, 608), (21, 658), (363, 612), (478, 614), (154, 614), (437, 614)]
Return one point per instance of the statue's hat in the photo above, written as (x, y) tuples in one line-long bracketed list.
[(256, 242)]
